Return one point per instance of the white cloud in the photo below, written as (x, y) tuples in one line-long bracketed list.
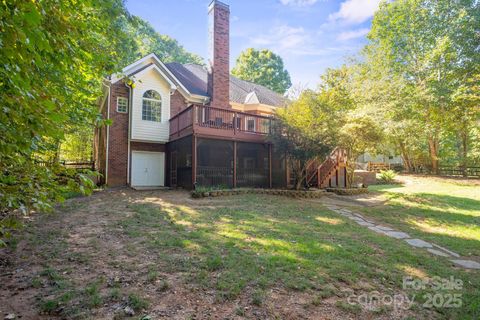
[(282, 38), (355, 11), (352, 34), (298, 3)]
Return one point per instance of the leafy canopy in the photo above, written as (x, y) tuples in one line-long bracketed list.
[(262, 67)]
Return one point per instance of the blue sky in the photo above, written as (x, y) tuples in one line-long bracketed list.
[(310, 35)]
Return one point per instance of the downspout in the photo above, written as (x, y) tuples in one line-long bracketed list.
[(108, 133), (130, 100)]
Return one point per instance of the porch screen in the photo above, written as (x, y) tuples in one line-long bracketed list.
[(252, 165), (214, 163), (279, 170), (180, 163)]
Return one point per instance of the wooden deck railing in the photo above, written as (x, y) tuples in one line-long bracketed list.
[(378, 166), (223, 119), (337, 156)]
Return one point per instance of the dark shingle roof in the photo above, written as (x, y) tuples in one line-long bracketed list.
[(189, 77), (195, 78)]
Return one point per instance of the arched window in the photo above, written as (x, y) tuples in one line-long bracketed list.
[(152, 106)]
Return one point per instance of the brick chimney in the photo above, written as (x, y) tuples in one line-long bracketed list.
[(219, 54)]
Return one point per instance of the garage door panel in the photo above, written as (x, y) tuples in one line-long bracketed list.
[(148, 169)]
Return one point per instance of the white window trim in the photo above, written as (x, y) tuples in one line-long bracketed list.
[(254, 125), (154, 100), (126, 100)]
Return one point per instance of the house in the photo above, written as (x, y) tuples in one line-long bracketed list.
[(185, 125)]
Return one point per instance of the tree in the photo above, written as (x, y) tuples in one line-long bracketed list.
[(300, 133), (425, 52), (360, 134), (309, 128), (262, 67), (146, 40), (53, 57)]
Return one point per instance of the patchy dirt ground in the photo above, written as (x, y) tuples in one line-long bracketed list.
[(82, 251), (96, 258)]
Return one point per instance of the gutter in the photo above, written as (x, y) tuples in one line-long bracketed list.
[(108, 132), (130, 104)]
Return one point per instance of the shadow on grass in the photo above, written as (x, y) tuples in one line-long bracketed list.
[(446, 220), (260, 242)]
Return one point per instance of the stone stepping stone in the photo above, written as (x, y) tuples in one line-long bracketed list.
[(418, 243), (374, 228), (456, 255), (469, 264), (365, 223), (438, 253), (397, 234), (384, 228), (356, 219), (345, 214)]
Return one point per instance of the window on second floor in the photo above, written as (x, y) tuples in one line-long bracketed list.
[(152, 106), (122, 105), (251, 125)]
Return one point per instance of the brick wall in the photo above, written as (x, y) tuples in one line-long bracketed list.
[(177, 103), (118, 144), (146, 146), (219, 73)]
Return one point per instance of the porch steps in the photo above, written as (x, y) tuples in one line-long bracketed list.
[(320, 175)]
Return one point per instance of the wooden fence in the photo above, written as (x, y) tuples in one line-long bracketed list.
[(90, 165), (459, 171)]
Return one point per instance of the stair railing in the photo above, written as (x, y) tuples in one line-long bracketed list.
[(330, 164)]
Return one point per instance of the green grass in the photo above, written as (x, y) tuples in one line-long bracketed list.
[(252, 243), (443, 211)]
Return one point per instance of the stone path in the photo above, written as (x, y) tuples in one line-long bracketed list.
[(417, 243)]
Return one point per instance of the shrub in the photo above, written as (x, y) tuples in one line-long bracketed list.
[(387, 176)]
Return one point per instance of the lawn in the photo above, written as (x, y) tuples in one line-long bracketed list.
[(445, 211), (165, 255)]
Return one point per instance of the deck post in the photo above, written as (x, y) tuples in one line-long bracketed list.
[(270, 165), (287, 172), (234, 123), (234, 164), (194, 160), (336, 178)]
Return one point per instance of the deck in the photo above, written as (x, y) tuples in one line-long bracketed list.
[(218, 123)]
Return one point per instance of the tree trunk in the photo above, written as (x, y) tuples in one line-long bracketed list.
[(433, 148), (298, 170), (406, 158), (350, 176), (464, 136)]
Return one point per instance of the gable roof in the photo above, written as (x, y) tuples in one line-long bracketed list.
[(151, 61), (195, 78)]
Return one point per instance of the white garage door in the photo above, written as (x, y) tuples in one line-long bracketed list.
[(148, 169)]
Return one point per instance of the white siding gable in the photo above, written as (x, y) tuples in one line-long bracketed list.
[(143, 130)]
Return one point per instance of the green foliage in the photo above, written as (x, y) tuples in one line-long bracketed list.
[(320, 120), (54, 55), (77, 146), (301, 131), (358, 135), (387, 176), (262, 67), (146, 40), (136, 302), (420, 77), (51, 56)]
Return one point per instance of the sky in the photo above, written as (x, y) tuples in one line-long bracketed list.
[(309, 35)]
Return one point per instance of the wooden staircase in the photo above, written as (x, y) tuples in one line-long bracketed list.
[(327, 173)]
